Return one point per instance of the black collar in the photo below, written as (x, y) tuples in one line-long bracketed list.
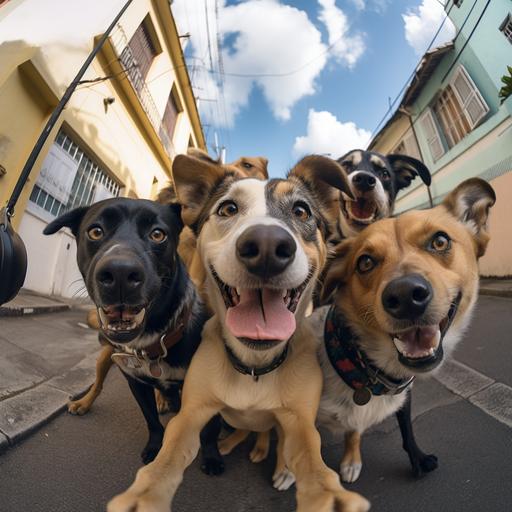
[(253, 371), (352, 364)]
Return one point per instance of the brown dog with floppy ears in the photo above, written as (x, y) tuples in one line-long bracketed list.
[(263, 245)]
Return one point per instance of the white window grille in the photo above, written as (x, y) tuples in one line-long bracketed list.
[(429, 127), (506, 27), (90, 184)]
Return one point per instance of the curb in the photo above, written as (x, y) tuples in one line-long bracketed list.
[(34, 310), (495, 293), (26, 412)]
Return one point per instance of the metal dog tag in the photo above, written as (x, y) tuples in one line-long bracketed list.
[(362, 396)]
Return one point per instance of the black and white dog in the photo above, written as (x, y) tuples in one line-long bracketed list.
[(376, 179), (149, 310)]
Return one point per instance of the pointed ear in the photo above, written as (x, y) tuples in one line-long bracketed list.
[(407, 168), (167, 195), (71, 220), (194, 180), (325, 178), (335, 272), (469, 202)]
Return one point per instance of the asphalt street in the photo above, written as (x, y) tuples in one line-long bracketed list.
[(78, 463)]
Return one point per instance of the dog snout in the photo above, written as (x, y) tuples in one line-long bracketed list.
[(407, 297), (119, 278), (364, 181), (266, 251)]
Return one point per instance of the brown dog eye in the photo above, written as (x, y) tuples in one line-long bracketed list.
[(441, 242), (95, 233), (301, 211), (247, 165), (365, 263), (157, 235), (227, 209)]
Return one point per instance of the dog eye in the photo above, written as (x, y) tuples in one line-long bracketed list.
[(157, 235), (440, 242), (247, 165), (95, 233), (386, 175), (227, 209), (301, 211), (365, 263)]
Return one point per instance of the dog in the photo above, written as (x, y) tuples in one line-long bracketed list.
[(404, 291), (150, 313), (376, 179), (262, 245)]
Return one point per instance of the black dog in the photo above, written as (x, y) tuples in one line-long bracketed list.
[(149, 310), (376, 180)]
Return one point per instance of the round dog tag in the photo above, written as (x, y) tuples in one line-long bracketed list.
[(155, 369), (361, 396)]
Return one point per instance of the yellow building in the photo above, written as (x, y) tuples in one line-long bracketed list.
[(119, 132)]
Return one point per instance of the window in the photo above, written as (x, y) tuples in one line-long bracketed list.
[(458, 3), (457, 111), (70, 178), (506, 27), (408, 146), (172, 109)]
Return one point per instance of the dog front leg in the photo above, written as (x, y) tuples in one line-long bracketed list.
[(420, 462), (212, 461), (145, 396), (318, 487), (155, 484)]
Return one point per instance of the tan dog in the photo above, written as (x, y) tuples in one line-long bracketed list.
[(262, 245), (255, 167)]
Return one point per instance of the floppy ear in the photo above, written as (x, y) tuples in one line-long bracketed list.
[(335, 272), (407, 168), (469, 202), (325, 178), (202, 155), (71, 220), (194, 180)]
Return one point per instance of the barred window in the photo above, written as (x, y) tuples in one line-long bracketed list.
[(506, 27), (172, 109)]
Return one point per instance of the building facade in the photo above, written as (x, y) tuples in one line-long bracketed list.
[(451, 117), (119, 133)]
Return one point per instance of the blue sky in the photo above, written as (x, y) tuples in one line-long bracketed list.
[(337, 64)]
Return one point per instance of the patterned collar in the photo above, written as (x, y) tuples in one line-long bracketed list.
[(352, 364)]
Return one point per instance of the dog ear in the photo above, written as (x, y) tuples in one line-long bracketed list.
[(324, 178), (194, 179), (469, 202), (167, 195), (407, 168), (335, 272), (71, 220)]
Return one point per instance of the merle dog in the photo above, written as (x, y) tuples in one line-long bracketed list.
[(149, 310), (376, 179)]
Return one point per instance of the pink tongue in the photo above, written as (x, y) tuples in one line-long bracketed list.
[(420, 339), (246, 319), (362, 208)]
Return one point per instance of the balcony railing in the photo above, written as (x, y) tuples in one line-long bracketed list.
[(126, 58)]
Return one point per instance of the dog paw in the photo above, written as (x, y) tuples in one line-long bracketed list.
[(258, 454), (150, 452), (425, 464), (350, 472), (162, 405), (78, 407), (283, 480), (131, 501), (212, 466)]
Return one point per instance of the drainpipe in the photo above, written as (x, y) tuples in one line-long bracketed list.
[(404, 111)]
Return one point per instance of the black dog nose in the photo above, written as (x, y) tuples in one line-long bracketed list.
[(364, 181), (407, 297), (119, 276), (266, 250)]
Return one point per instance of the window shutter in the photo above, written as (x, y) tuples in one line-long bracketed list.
[(434, 141), (411, 148), (469, 96)]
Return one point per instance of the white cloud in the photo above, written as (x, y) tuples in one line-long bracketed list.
[(266, 37), (421, 24), (359, 4), (326, 135), (347, 48)]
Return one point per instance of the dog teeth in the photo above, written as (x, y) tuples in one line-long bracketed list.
[(139, 317), (103, 317)]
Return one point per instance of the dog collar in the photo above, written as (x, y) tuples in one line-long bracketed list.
[(352, 364), (253, 371)]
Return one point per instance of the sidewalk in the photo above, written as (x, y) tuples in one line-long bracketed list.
[(46, 358), (496, 287)]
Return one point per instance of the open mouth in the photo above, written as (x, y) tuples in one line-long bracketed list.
[(421, 347), (122, 323), (360, 210), (260, 317)]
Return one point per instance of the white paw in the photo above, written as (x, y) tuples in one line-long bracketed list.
[(350, 472), (283, 480)]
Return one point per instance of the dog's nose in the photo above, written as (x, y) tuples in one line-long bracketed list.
[(266, 250), (364, 181), (407, 297), (118, 277)]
